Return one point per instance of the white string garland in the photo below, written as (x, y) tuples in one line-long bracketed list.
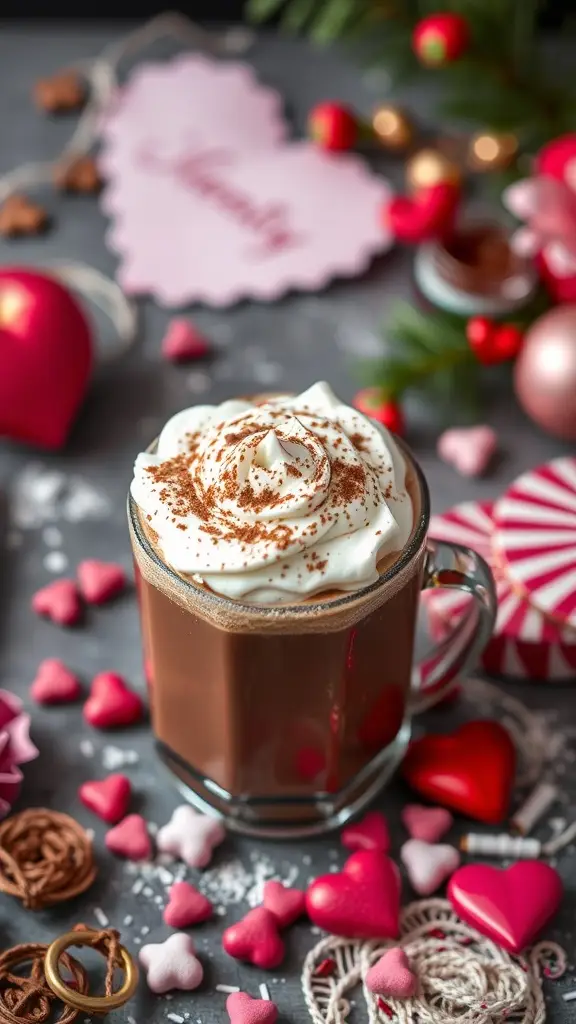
[(463, 978), (106, 295)]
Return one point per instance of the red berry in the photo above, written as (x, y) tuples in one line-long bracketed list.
[(508, 342), (333, 126), (371, 402), (479, 330), (430, 213), (440, 38)]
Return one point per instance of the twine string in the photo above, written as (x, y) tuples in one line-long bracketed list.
[(27, 998)]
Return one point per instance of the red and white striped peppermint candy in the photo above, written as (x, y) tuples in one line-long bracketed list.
[(524, 645), (535, 536)]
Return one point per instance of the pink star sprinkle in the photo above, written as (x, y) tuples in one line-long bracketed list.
[(191, 837), (171, 964)]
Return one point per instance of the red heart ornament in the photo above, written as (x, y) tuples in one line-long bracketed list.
[(243, 1009), (427, 214), (256, 939), (370, 833), (108, 798), (111, 703), (46, 347), (130, 838), (186, 906), (510, 906), (286, 904), (54, 683), (470, 770), (100, 581), (360, 902)]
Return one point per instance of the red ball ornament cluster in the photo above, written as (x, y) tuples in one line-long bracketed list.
[(373, 402), (493, 343), (440, 39), (333, 126)]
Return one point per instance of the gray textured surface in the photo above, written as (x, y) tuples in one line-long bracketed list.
[(296, 340)]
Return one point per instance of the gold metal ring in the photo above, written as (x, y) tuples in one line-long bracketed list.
[(91, 1004)]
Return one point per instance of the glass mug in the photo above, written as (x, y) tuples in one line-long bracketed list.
[(287, 720)]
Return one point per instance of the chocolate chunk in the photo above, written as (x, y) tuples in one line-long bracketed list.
[(80, 175), (20, 216), (61, 93)]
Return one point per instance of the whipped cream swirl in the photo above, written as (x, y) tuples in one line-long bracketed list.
[(275, 502)]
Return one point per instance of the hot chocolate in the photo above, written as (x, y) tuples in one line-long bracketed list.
[(280, 549)]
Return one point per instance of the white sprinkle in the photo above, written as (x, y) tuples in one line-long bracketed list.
[(144, 930), (55, 561), (137, 941), (264, 993), (114, 758), (41, 495), (147, 891), (227, 988), (152, 828), (158, 901), (128, 919), (198, 382), (138, 886), (90, 833), (87, 748), (175, 1017), (231, 882), (101, 917), (569, 997), (307, 859), (164, 876), (52, 536), (130, 1020)]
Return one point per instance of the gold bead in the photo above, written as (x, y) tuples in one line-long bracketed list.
[(429, 167), (490, 152), (392, 128)]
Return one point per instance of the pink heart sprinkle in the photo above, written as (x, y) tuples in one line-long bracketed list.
[(186, 906), (100, 581), (428, 864), (468, 449), (54, 683), (286, 904), (392, 976), (370, 833), (255, 939), (243, 1009), (426, 823), (108, 798), (112, 703), (130, 839), (183, 342), (59, 601)]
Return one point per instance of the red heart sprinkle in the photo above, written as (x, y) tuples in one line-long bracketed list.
[(108, 798), (470, 770), (59, 601), (54, 683), (130, 839), (285, 903), (360, 902), (243, 1009), (510, 906), (186, 906), (256, 939), (100, 581), (183, 342), (111, 703), (370, 833), (325, 968)]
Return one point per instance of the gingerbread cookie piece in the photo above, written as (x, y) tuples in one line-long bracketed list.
[(20, 216), (80, 176), (61, 93)]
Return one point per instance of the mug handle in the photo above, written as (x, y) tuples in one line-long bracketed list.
[(454, 567)]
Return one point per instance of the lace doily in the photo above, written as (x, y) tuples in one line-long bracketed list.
[(463, 978)]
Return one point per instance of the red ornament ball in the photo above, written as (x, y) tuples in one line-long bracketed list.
[(333, 126), (440, 38), (493, 343), (371, 402)]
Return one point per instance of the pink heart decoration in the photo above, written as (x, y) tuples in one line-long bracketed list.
[(510, 906), (54, 683), (243, 1009), (428, 864), (468, 449), (361, 902), (100, 581), (183, 342), (186, 906), (108, 798), (426, 823), (111, 703), (286, 904), (370, 833), (392, 976), (171, 964), (130, 839), (46, 348), (59, 601), (255, 939)]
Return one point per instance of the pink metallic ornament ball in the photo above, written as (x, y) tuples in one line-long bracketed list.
[(545, 372)]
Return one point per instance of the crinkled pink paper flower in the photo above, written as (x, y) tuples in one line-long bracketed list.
[(16, 748), (548, 208)]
